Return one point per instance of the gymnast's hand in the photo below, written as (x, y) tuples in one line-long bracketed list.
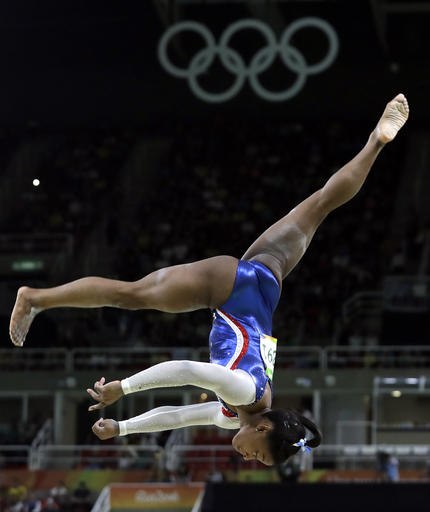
[(105, 394), (105, 429)]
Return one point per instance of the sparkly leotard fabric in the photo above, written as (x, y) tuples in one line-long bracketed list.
[(239, 324)]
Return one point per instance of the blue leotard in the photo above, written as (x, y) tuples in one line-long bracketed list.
[(239, 324)]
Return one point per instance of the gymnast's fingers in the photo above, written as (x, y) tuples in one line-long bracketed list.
[(94, 407), (99, 384), (98, 426), (93, 394)]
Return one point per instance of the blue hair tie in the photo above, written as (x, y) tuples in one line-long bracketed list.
[(302, 445)]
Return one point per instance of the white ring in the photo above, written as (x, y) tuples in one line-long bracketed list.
[(267, 33), (171, 32), (306, 23), (281, 95), (260, 62), (212, 97)]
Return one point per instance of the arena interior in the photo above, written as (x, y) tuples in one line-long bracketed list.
[(136, 136)]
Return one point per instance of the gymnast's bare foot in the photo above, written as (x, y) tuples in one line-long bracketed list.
[(394, 117), (22, 315)]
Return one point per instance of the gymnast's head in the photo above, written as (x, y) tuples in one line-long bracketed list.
[(277, 435)]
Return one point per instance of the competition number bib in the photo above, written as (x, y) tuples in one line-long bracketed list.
[(268, 353)]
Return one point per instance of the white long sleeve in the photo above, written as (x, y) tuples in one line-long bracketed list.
[(235, 387), (168, 417)]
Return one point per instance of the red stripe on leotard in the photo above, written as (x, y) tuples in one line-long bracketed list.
[(229, 414), (245, 339)]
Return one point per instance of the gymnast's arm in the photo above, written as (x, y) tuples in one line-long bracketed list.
[(235, 387), (166, 418)]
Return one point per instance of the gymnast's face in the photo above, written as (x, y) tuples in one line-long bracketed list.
[(251, 443)]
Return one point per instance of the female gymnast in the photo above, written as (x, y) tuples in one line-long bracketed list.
[(243, 295)]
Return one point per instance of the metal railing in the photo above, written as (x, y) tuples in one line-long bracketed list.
[(393, 356), (134, 359), (93, 456), (43, 437), (14, 455), (134, 456), (88, 359), (102, 503), (51, 359), (366, 456), (205, 457)]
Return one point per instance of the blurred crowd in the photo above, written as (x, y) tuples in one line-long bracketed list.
[(74, 184), (220, 185), (18, 498)]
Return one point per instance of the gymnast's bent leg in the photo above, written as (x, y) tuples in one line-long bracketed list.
[(283, 244)]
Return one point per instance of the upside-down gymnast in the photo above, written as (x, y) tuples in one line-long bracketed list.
[(243, 295)]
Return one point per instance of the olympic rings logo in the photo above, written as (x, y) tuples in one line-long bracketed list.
[(261, 61)]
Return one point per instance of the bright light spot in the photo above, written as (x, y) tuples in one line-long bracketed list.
[(396, 393), (203, 396), (411, 380), (36, 182)]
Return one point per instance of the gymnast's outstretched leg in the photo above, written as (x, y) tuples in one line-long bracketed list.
[(208, 283), (180, 288), (282, 245)]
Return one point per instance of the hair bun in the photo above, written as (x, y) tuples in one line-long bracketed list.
[(310, 425)]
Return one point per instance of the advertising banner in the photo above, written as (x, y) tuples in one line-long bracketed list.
[(154, 496)]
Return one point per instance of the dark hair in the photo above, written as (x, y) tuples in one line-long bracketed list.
[(289, 428)]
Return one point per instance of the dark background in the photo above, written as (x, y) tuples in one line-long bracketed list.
[(69, 63), (83, 81)]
